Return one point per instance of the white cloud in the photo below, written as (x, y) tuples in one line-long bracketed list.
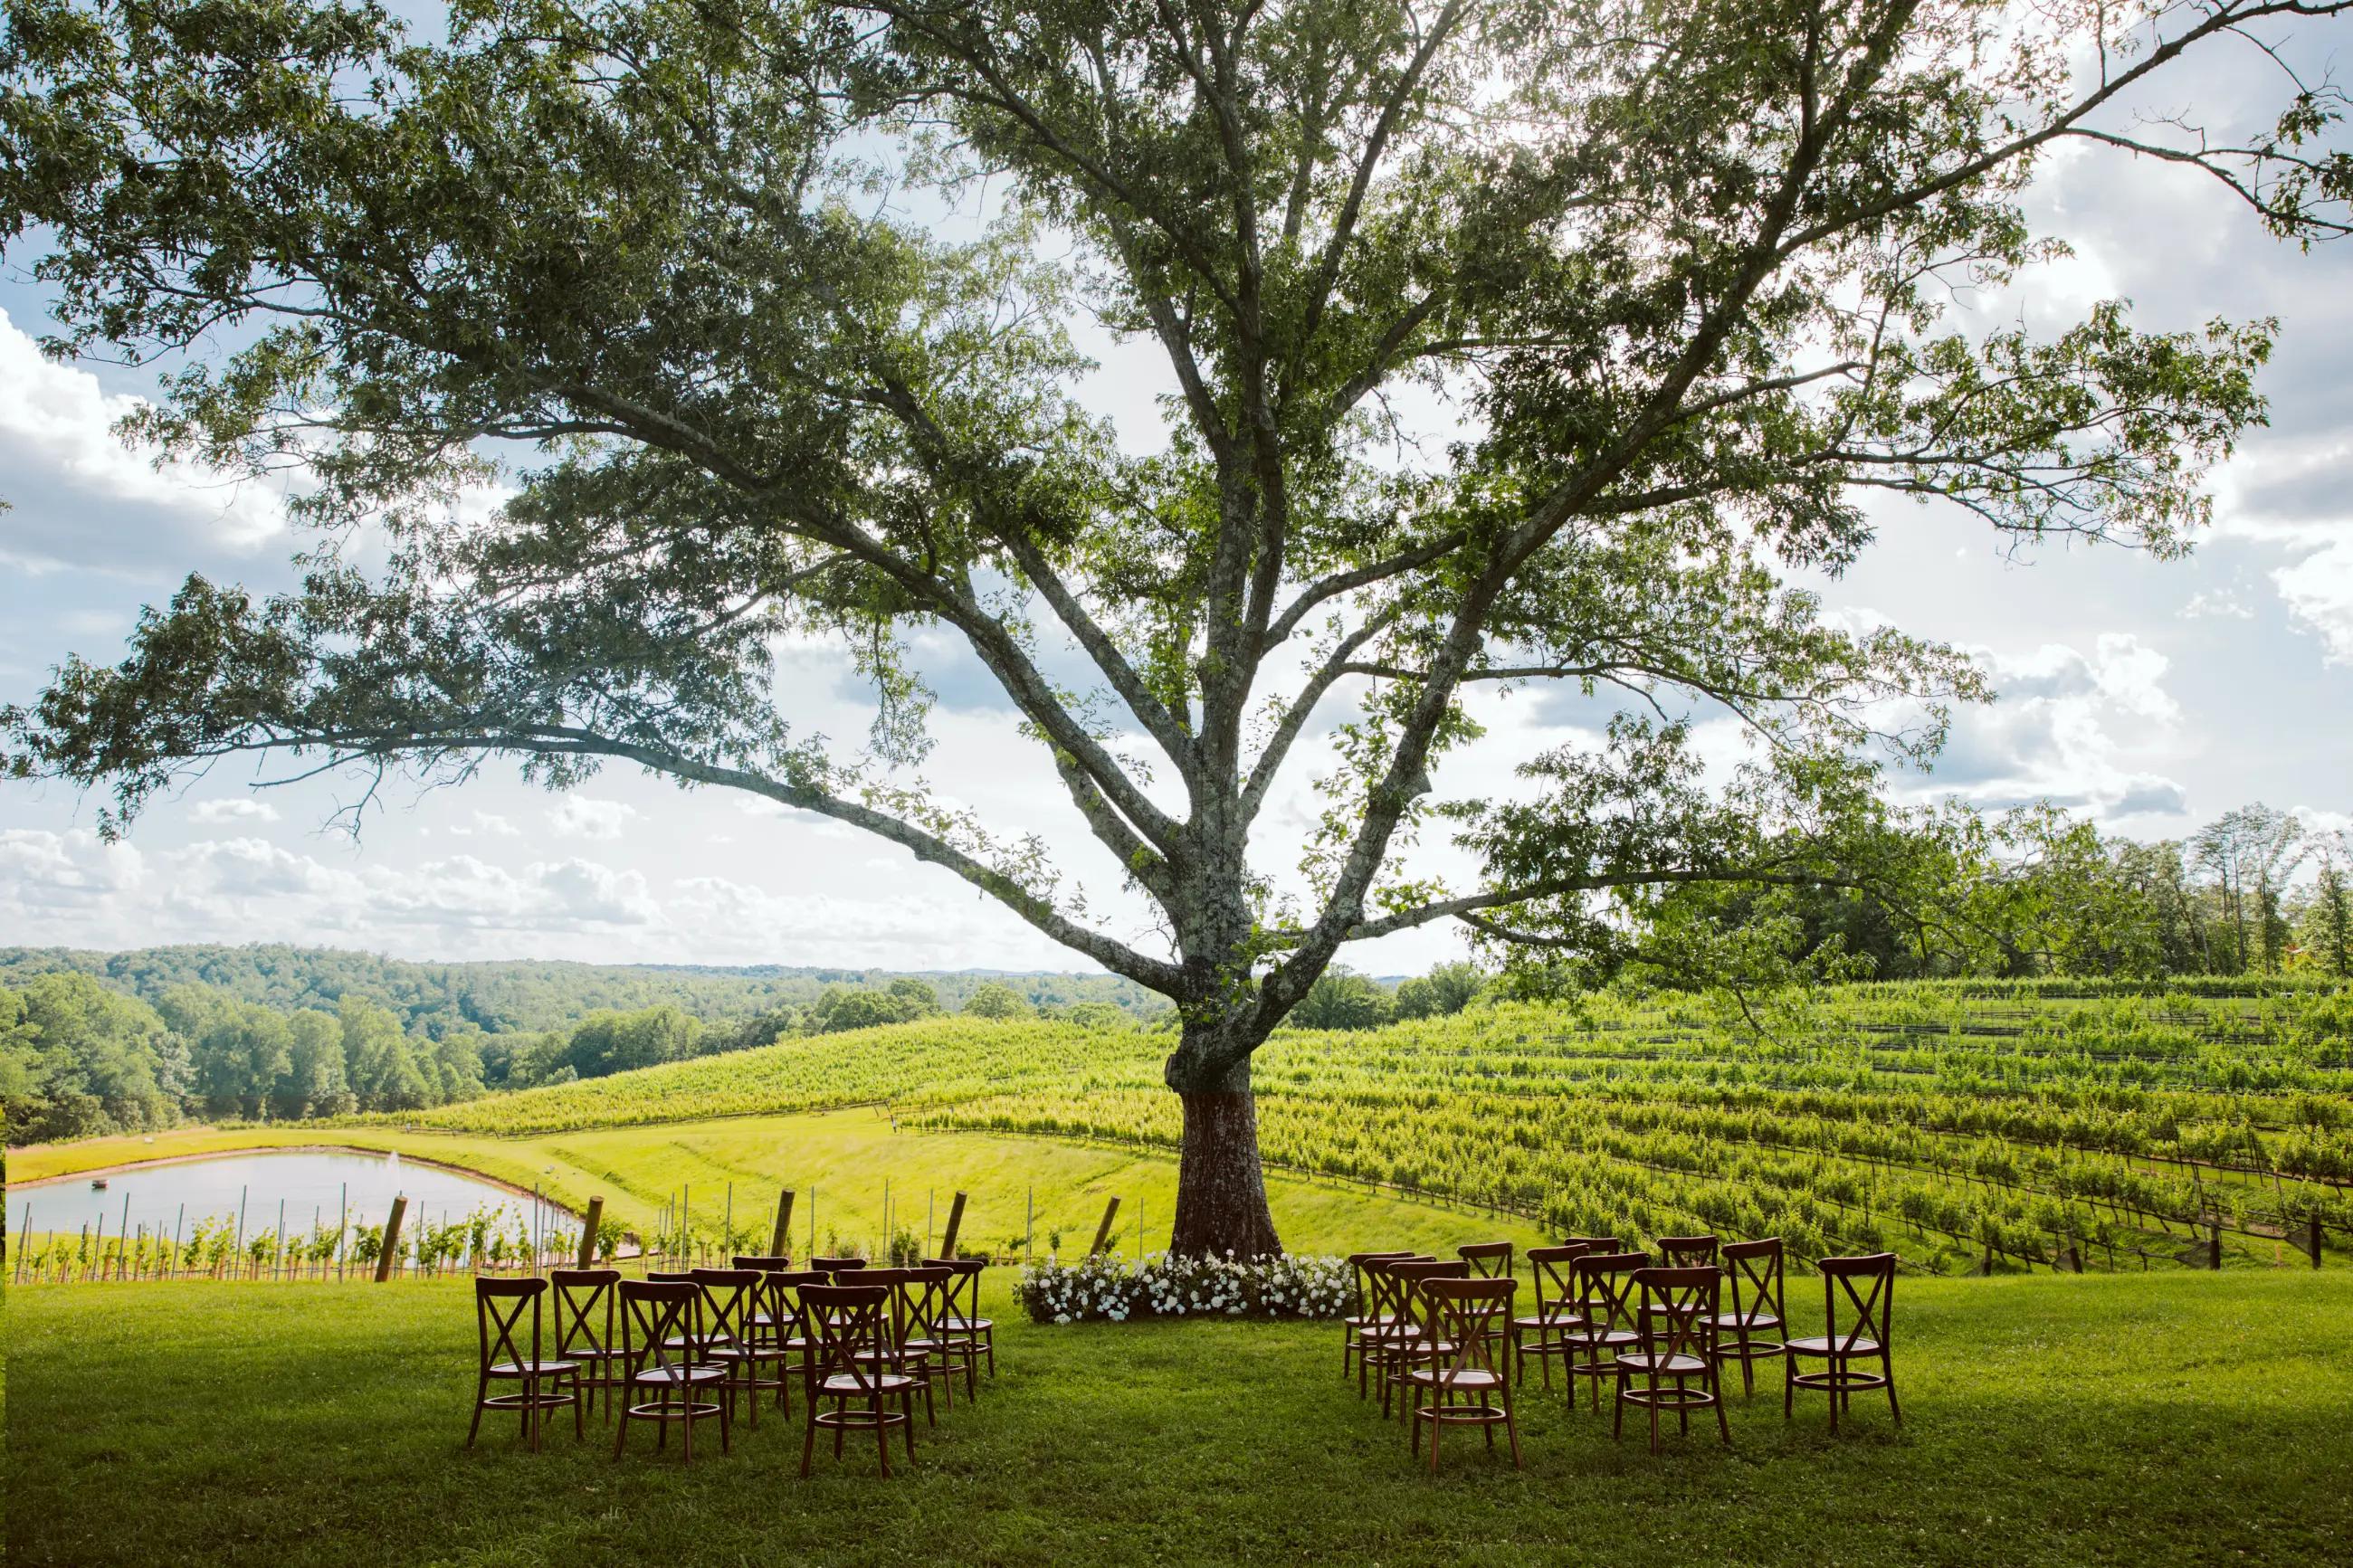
[(2074, 728), (57, 424), (235, 809), (2218, 604), (579, 816), (2318, 591), (487, 825)]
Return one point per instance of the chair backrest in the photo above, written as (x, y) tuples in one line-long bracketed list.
[(1410, 1275), (1386, 1297), (1753, 1268), (1488, 1260), (584, 1308), (1869, 1284), (1357, 1282), (728, 1295), (836, 1265), (653, 1313), (768, 1265), (846, 1322), (1470, 1311), (1554, 1268), (670, 1276), (960, 1291), (1679, 1305), (1685, 1251), (499, 1307), (1605, 1282)]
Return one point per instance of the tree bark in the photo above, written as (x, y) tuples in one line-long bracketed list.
[(1220, 1186)]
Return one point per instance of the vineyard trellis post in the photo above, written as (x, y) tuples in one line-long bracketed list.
[(122, 1240), (1103, 1231), (240, 1231), (24, 1239), (591, 1227), (391, 1248), (343, 1228), (956, 1222), (2312, 1220), (177, 1221), (278, 1242), (780, 1240)]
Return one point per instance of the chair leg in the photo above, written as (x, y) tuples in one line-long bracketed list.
[(1887, 1368), (808, 1441), (481, 1387), (883, 1438), (621, 1435)]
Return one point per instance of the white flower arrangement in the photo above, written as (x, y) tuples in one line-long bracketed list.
[(1105, 1289)]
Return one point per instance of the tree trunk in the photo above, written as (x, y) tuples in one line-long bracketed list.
[(1220, 1189)]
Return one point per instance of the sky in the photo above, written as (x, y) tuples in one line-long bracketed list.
[(2151, 696)]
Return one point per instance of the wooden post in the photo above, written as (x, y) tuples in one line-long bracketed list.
[(780, 1240), (589, 1227), (2217, 1240), (2313, 1222), (955, 1220), (391, 1240), (1103, 1231)]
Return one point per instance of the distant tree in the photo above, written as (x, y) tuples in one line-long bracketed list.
[(313, 1083), (2327, 926), (997, 1000), (1446, 989), (918, 996), (1677, 279), (608, 1043), (865, 1010), (1341, 999), (78, 1059)]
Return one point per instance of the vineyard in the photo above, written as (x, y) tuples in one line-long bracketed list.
[(1968, 1125)]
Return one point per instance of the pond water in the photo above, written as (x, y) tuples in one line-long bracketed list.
[(313, 1184)]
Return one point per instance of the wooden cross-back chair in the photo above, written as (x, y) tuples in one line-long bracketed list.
[(1360, 1314), (1659, 1375), (1558, 1311), (1868, 1284), (1385, 1314), (1594, 1244), (585, 1327), (1751, 1331), (965, 1335), (1605, 1287), (851, 1345), (730, 1340), (1469, 1383), (660, 1326), (1417, 1341), (500, 1307)]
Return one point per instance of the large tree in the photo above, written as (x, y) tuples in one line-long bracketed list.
[(1507, 341)]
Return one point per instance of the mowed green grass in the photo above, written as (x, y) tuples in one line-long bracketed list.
[(2171, 1418), (838, 1163)]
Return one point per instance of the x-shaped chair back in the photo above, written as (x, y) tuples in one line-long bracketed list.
[(1753, 1269), (1471, 1313), (1686, 1251), (1681, 1302), (1488, 1260), (1868, 1284), (1606, 1285), (653, 1313), (498, 1307), (583, 1309), (847, 1323), (1555, 1270), (728, 1298)]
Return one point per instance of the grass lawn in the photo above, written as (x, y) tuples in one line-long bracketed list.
[(2167, 1419), (837, 1162)]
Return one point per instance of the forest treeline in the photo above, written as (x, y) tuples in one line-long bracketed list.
[(208, 1032)]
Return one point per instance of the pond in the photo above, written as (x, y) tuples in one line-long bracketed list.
[(312, 1184)]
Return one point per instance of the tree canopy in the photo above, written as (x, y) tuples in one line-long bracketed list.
[(767, 316)]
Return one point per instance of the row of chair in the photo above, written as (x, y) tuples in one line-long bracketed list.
[(682, 1348), (1441, 1338)]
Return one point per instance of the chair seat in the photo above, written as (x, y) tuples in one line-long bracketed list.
[(1660, 1362), (531, 1368), (678, 1376), (1818, 1344), (1610, 1338), (874, 1382), (1370, 1319), (1754, 1320), (1549, 1320), (1428, 1347), (969, 1325), (1448, 1377)]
